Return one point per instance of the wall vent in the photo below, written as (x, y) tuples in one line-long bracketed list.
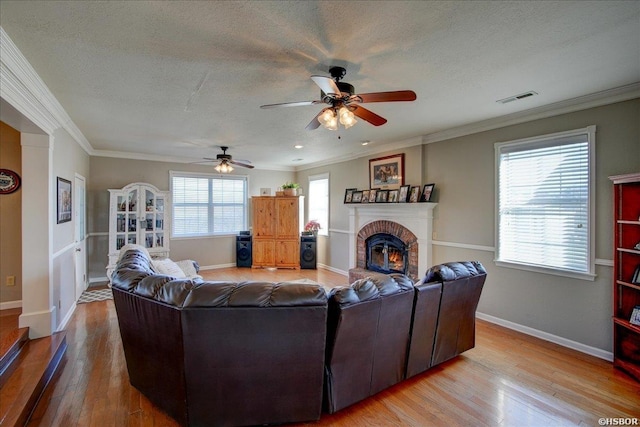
[(517, 97)]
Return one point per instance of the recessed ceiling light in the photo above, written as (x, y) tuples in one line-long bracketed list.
[(298, 146), (365, 142), (297, 160)]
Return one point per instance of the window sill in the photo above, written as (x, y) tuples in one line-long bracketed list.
[(543, 270), (203, 236)]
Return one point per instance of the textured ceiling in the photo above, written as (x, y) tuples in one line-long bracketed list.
[(179, 79)]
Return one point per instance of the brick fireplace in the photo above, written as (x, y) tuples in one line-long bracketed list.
[(412, 223), (392, 228)]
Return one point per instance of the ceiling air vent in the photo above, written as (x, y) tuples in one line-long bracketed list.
[(517, 97)]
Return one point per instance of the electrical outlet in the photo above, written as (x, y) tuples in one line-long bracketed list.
[(434, 235), (11, 281)]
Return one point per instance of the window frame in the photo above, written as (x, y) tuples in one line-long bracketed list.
[(186, 174), (590, 132), (318, 177)]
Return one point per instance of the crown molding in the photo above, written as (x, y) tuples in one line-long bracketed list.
[(598, 99), (169, 159), (378, 148), (26, 92)]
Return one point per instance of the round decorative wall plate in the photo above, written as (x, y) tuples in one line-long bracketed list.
[(9, 181)]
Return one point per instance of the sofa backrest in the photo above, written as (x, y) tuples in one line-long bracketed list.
[(462, 284), (367, 338), (222, 353)]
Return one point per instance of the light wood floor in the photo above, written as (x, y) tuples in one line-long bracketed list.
[(508, 379)]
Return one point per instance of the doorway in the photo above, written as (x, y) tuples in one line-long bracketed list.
[(80, 235)]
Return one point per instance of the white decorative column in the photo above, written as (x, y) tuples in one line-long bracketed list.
[(38, 311)]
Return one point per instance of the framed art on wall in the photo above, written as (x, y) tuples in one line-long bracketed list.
[(387, 173), (64, 200)]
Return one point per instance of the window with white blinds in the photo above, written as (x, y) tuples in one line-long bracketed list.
[(319, 201), (544, 203), (207, 204)]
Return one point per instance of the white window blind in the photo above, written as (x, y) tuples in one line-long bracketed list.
[(205, 205), (544, 202), (319, 201)]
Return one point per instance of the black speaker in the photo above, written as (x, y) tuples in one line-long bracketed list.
[(308, 252), (243, 251)]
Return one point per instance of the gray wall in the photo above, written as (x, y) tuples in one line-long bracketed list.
[(111, 173), (69, 158), (463, 170)]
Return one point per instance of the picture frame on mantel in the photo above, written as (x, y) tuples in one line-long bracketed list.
[(403, 196), (387, 173), (348, 195), (427, 192), (414, 195)]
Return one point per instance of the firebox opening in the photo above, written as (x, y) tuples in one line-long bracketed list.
[(386, 254)]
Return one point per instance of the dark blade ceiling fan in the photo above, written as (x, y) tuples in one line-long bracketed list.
[(344, 102), (225, 161)]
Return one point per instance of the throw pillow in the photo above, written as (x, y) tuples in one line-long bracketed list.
[(169, 268)]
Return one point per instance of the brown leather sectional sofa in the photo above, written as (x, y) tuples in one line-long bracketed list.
[(252, 353)]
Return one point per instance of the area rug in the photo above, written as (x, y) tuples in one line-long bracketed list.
[(96, 295)]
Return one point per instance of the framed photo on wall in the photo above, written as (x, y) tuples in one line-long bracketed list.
[(387, 173), (63, 210)]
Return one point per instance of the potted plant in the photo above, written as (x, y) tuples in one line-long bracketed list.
[(290, 188), (312, 227)]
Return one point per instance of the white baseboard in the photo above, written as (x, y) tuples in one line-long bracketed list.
[(333, 269), (10, 304), (574, 345), (67, 318), (98, 279), (217, 266)]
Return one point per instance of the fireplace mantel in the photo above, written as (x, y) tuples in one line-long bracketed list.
[(417, 217)]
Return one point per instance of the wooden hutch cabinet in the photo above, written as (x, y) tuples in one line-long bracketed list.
[(626, 273), (276, 231)]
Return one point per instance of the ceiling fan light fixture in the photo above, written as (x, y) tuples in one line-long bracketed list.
[(332, 124), (347, 118), (326, 117), (224, 167)]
